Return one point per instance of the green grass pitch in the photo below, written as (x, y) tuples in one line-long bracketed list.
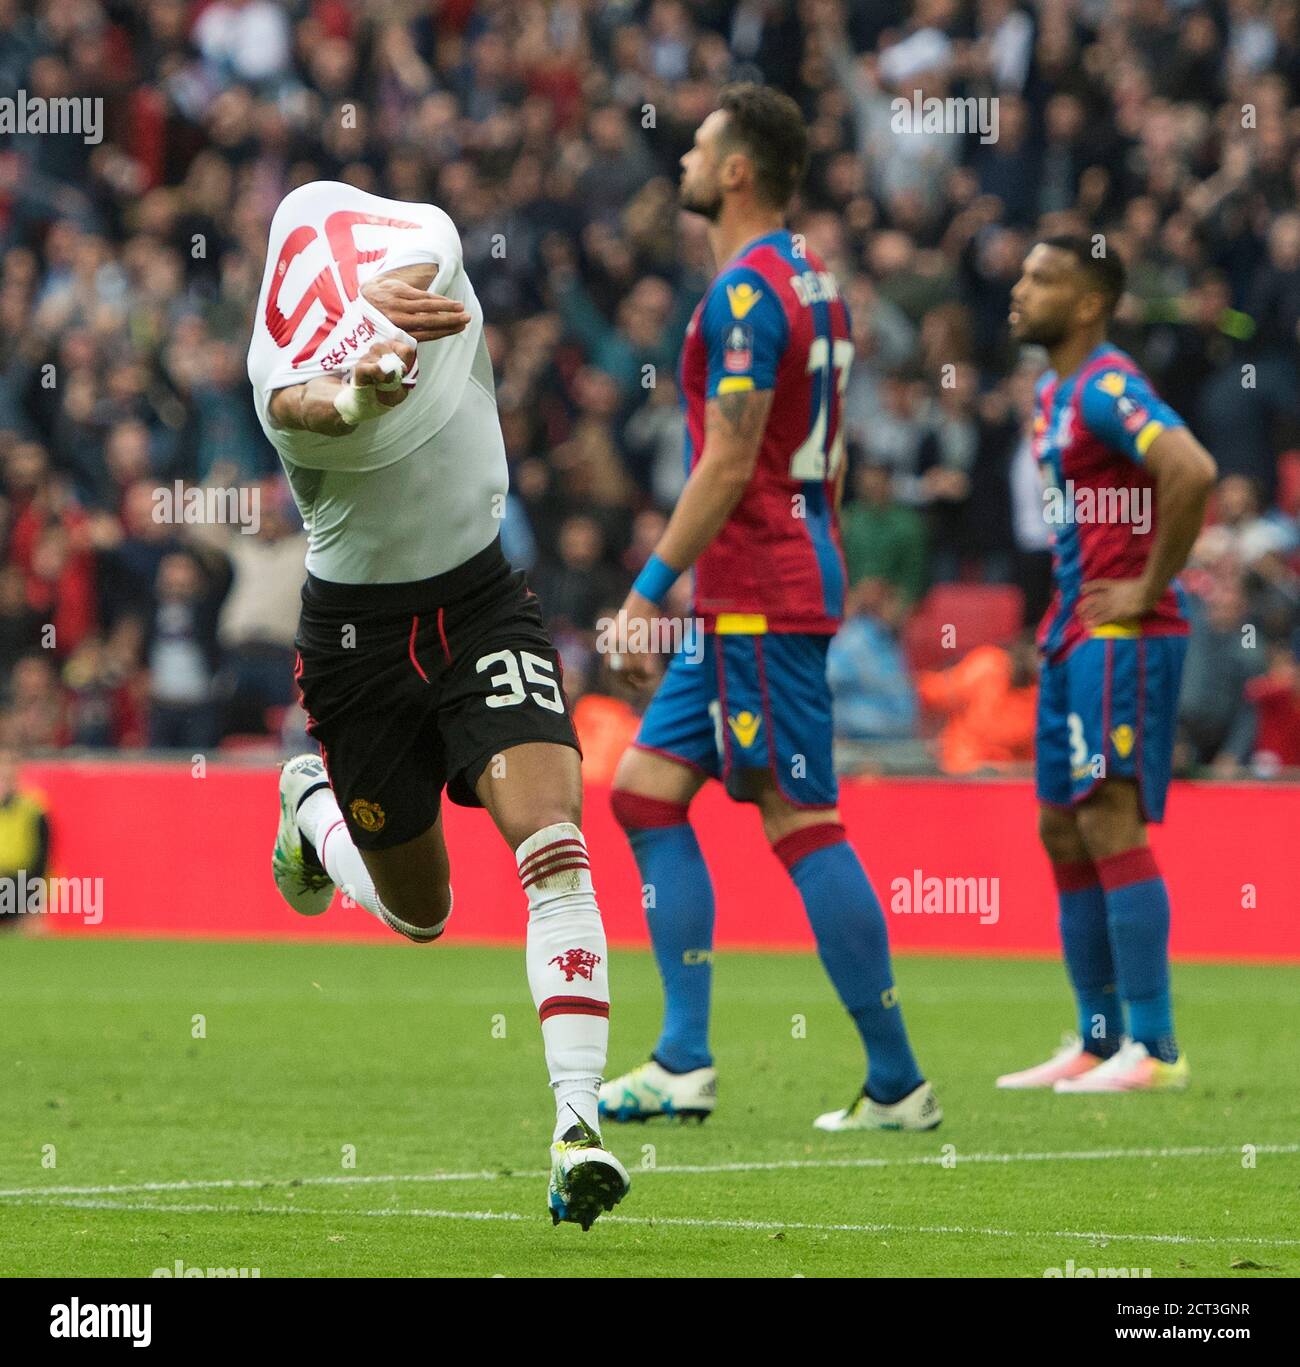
[(382, 1110)]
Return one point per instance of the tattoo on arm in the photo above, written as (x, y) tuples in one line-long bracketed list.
[(743, 414)]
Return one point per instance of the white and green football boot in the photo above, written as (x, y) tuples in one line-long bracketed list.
[(301, 879), (651, 1090), (918, 1110), (586, 1178)]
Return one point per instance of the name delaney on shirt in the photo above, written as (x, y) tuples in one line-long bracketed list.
[(815, 287), (1125, 506), (75, 1320), (78, 115)]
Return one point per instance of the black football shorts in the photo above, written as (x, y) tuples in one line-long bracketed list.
[(413, 687)]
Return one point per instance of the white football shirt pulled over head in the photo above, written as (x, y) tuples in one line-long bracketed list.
[(417, 491)]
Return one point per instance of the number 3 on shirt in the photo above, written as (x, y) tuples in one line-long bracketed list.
[(812, 460)]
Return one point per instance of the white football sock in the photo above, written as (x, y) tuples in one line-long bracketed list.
[(322, 823), (568, 969)]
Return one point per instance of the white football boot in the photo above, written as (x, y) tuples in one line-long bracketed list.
[(1069, 1061), (918, 1110), (652, 1090), (302, 881), (586, 1178), (1130, 1069)]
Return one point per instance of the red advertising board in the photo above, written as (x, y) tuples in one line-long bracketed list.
[(182, 855)]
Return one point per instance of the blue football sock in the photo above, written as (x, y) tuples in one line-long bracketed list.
[(678, 895), (1137, 910), (849, 927), (1085, 938)]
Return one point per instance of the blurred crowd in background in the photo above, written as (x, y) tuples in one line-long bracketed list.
[(551, 132)]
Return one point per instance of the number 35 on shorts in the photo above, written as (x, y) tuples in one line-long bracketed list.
[(516, 669)]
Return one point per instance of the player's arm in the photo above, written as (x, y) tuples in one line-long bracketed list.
[(1184, 472), (733, 433), (402, 292), (334, 405), (744, 330), (1146, 429), (403, 297)]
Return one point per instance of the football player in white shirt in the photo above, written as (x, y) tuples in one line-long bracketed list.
[(423, 660)]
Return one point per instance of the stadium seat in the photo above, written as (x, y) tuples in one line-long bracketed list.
[(979, 614)]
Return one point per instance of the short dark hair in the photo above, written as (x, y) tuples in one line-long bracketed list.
[(1105, 272), (769, 127)]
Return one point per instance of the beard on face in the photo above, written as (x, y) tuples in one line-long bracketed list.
[(696, 202), (1047, 332)]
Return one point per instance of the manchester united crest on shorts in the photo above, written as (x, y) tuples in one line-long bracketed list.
[(368, 815)]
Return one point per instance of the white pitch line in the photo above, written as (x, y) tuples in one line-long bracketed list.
[(958, 1158), (776, 1165), (254, 1183), (757, 1226)]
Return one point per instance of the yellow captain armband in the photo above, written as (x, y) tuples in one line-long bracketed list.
[(1147, 435), (735, 384)]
